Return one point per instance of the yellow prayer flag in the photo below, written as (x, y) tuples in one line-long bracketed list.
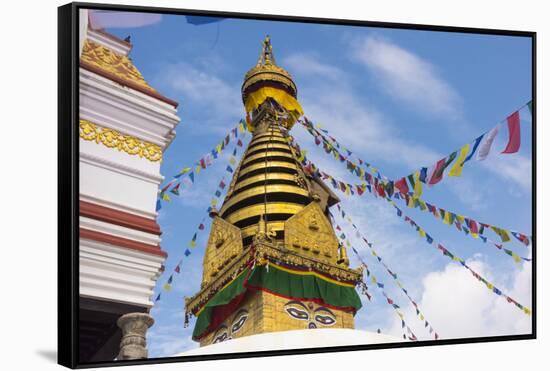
[(165, 197), (198, 169), (447, 218), (421, 232), (167, 287), (417, 185), (516, 257), (456, 170), (422, 317), (411, 202), (489, 286), (527, 310), (185, 170), (373, 279), (460, 219), (456, 258)]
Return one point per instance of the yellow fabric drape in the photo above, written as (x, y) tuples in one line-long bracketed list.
[(286, 100)]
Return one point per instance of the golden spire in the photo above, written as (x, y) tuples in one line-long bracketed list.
[(267, 56), (267, 72)]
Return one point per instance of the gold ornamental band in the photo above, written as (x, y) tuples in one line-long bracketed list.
[(260, 190), (253, 229), (113, 139), (268, 139), (261, 178), (263, 155), (262, 165), (268, 146), (268, 133), (271, 208)]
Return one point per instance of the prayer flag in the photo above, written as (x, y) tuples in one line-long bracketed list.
[(417, 185), (437, 174), (158, 298), (456, 170), (401, 185), (514, 133), (476, 144), (187, 252), (485, 147), (177, 269), (229, 169), (423, 174), (193, 241), (159, 206), (530, 106)]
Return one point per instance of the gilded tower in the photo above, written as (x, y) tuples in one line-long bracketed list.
[(273, 261)]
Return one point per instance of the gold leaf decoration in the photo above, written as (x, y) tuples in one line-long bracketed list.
[(114, 139)]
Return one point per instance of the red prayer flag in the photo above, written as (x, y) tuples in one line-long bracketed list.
[(402, 186), (177, 270), (514, 137), (360, 190), (438, 173), (473, 226)]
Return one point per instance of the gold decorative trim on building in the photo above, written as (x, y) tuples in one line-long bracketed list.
[(261, 252), (114, 63), (114, 139)]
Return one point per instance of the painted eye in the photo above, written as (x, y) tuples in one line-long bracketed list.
[(238, 324), (325, 320), (220, 338), (297, 313)]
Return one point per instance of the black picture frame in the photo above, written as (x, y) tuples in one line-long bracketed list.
[(68, 181)]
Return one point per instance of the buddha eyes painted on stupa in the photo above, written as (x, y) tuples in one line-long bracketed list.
[(314, 315), (226, 333)]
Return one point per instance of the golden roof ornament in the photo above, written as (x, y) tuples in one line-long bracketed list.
[(267, 72)]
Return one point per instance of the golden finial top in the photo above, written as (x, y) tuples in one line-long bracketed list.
[(267, 72)]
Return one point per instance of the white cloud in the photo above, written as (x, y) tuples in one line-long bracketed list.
[(406, 76), (352, 121), (516, 168), (309, 65), (219, 99), (458, 306)]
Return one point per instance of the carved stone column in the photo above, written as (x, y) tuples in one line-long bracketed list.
[(134, 328)]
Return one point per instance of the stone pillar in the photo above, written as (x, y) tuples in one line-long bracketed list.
[(134, 327)]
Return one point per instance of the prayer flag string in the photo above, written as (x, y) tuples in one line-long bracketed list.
[(217, 196), (392, 273), (188, 174)]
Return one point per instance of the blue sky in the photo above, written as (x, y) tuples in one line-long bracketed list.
[(400, 99)]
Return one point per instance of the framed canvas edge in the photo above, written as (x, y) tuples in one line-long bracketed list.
[(68, 182)]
